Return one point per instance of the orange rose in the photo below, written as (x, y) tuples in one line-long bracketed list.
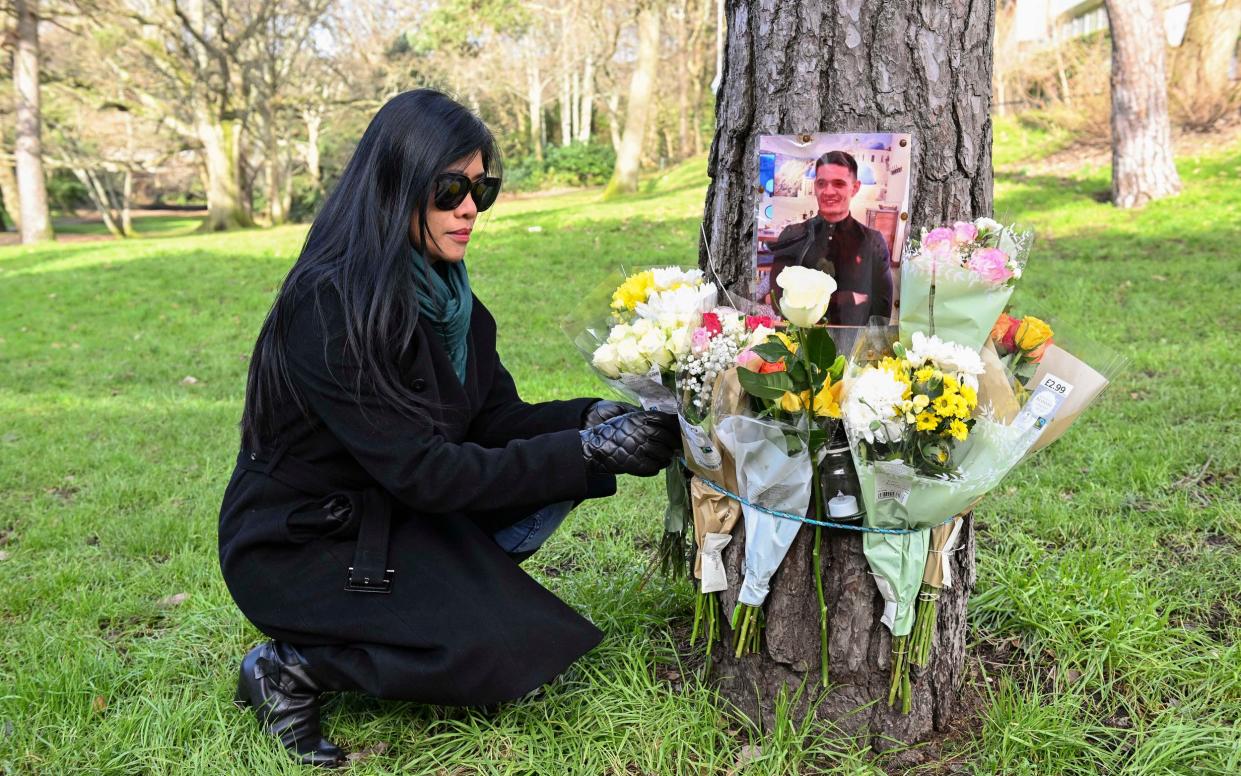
[(772, 366), (1004, 332)]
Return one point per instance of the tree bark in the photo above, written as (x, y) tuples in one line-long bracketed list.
[(640, 109), (314, 120), (1142, 166), (1200, 90), (841, 66), (35, 220)]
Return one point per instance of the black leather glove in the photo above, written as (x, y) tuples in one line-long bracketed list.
[(604, 410), (640, 443)]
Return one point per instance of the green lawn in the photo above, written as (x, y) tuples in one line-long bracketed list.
[(1108, 609)]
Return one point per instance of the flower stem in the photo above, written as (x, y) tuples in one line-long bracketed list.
[(816, 501), (818, 582), (693, 634)]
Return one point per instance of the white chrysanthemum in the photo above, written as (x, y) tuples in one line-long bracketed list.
[(682, 306), (948, 357), (875, 396), (668, 278)]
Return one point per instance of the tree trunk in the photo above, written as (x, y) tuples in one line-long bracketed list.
[(36, 221), (682, 149), (1142, 164), (588, 100), (1200, 90), (640, 108), (534, 94), (313, 119), (8, 190), (222, 162), (613, 107), (849, 65)]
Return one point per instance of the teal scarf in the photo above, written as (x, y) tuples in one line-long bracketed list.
[(447, 305)]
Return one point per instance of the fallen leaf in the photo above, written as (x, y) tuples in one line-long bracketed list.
[(3, 556), (748, 754), (174, 600), (1160, 278), (366, 753), (189, 380), (1073, 675), (99, 704)]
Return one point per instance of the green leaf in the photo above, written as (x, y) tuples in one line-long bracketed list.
[(799, 377), (838, 369), (819, 347), (772, 351), (769, 386)]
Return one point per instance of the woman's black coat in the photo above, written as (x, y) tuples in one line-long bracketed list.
[(462, 624)]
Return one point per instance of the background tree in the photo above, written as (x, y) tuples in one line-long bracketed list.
[(1201, 89), (811, 66), (35, 221), (1142, 164), (641, 99)]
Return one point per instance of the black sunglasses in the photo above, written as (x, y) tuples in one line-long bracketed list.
[(451, 188)]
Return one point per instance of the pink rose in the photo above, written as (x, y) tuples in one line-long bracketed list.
[(938, 235), (964, 232), (991, 264), (748, 359), (700, 340)]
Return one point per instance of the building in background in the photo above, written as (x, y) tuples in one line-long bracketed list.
[(1047, 22)]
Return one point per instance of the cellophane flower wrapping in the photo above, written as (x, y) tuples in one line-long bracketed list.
[(899, 496), (773, 470), (633, 330), (955, 281)]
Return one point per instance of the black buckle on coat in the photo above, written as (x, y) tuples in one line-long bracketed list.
[(368, 585)]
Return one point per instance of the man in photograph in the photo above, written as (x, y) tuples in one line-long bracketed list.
[(834, 242)]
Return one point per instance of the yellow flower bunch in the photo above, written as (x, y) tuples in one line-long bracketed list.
[(826, 401), (633, 291)]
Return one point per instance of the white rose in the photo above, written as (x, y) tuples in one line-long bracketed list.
[(807, 293), (606, 360), (654, 348), (630, 359), (679, 341), (619, 332)]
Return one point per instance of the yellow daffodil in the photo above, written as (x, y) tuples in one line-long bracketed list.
[(927, 421), (827, 400), (791, 402), (788, 341)]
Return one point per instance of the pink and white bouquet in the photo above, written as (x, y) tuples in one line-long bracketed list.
[(956, 280)]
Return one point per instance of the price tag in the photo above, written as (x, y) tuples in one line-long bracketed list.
[(701, 448), (1043, 404), (893, 487)]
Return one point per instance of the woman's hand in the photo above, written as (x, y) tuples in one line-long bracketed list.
[(640, 443), (604, 410)]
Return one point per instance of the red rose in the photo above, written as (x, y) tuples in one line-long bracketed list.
[(711, 322), (752, 322)]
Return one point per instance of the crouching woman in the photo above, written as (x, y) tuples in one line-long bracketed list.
[(390, 480)]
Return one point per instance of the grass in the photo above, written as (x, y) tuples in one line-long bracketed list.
[(1105, 624)]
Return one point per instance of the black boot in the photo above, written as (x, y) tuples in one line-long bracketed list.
[(275, 681)]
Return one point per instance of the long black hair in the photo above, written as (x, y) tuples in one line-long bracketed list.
[(359, 245)]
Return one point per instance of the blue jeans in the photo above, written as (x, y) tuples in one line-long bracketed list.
[(528, 534)]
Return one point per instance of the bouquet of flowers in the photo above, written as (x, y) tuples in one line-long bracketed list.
[(956, 280), (923, 454), (637, 348), (795, 378), (1020, 343), (707, 385)]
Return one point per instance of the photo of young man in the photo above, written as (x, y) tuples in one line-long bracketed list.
[(834, 242)]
